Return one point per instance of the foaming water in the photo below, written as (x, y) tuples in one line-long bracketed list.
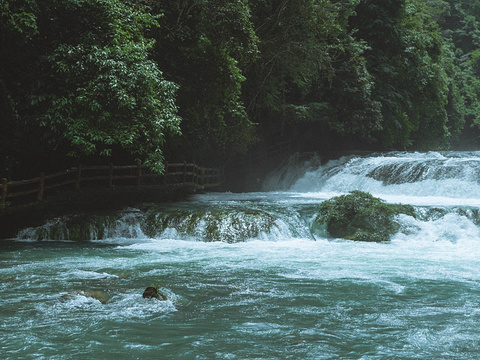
[(454, 176), (295, 298), (285, 293)]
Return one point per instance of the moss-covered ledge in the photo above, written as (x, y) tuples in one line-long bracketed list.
[(226, 225), (85, 200), (360, 216)]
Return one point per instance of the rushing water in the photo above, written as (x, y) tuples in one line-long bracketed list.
[(285, 293)]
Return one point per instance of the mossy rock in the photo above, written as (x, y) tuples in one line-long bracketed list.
[(211, 225), (431, 213), (76, 227), (360, 216), (184, 221)]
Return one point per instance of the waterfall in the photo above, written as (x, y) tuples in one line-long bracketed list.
[(256, 274), (437, 184), (450, 176)]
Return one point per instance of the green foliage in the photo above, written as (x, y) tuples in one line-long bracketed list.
[(405, 61), (107, 92), (360, 216), (157, 285), (81, 79), (18, 21), (86, 79), (372, 69), (310, 71), (203, 46), (459, 23)]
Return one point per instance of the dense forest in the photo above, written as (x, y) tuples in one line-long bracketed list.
[(97, 81)]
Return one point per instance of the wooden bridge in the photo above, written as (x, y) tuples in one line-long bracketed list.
[(178, 175)]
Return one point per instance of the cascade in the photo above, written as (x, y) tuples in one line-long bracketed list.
[(248, 275), (437, 184), (406, 177)]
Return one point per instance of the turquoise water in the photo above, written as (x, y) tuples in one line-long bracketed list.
[(286, 294)]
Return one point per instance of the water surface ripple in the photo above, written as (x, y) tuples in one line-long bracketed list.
[(285, 295)]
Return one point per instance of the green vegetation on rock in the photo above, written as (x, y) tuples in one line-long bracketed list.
[(81, 227), (360, 216), (213, 225)]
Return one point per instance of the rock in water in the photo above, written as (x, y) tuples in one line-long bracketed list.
[(360, 216), (152, 292), (99, 295)]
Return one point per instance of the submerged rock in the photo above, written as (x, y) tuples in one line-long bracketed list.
[(74, 227), (360, 216), (99, 295), (211, 225), (152, 292), (86, 227)]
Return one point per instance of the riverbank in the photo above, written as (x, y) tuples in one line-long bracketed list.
[(90, 199)]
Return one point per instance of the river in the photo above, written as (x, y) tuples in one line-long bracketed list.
[(263, 284)]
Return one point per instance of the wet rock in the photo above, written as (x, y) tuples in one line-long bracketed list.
[(99, 295), (73, 227), (152, 292), (360, 216), (226, 225)]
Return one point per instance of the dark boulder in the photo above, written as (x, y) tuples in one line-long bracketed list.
[(152, 292)]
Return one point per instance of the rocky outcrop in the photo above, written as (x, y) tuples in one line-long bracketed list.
[(226, 225), (152, 292), (360, 216)]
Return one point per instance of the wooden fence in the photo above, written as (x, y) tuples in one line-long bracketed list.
[(27, 192), (261, 155)]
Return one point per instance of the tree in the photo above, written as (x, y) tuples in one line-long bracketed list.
[(404, 58), (310, 81), (18, 28), (85, 85), (203, 46), (459, 23)]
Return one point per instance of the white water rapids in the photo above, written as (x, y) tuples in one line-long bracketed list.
[(285, 293)]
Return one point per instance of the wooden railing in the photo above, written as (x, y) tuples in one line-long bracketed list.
[(262, 155), (26, 192)]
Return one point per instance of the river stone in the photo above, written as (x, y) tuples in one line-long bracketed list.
[(152, 292), (99, 295)]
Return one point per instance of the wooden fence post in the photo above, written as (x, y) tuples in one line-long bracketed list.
[(110, 175), (41, 187), (79, 177), (184, 172), (139, 173), (3, 199), (194, 174), (165, 173)]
